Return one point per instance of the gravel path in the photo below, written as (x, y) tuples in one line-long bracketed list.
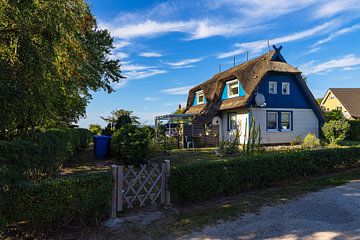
[(332, 213)]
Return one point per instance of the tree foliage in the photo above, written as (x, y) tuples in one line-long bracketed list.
[(333, 115), (117, 119), (52, 55), (335, 131)]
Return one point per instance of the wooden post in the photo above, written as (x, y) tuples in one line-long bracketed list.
[(114, 170), (167, 174), (163, 183), (120, 175)]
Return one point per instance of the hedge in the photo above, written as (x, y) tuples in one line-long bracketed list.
[(354, 132), (54, 203), (205, 180), (39, 155)]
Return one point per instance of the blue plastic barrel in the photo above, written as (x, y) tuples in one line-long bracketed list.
[(101, 146)]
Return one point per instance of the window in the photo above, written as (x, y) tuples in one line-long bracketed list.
[(200, 97), (272, 87), (272, 121), (285, 88), (339, 108), (233, 88), (232, 121), (285, 121)]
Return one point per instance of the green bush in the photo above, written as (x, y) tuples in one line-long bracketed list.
[(40, 154), (335, 131), (51, 204), (205, 180), (333, 115), (311, 141), (354, 133), (95, 129), (130, 145)]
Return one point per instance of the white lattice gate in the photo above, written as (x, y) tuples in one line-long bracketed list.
[(142, 186)]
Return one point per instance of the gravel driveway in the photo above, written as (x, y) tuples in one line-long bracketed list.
[(332, 213)]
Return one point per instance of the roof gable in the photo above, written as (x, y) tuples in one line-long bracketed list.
[(349, 98)]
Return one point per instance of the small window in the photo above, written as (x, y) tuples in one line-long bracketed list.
[(233, 88), (339, 108), (200, 97), (272, 87), (285, 88), (285, 121), (272, 121), (232, 121)]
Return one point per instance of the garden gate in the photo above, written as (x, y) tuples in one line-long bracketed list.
[(138, 186)]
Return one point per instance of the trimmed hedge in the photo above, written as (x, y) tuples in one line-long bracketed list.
[(205, 180), (51, 204), (354, 132), (40, 154)]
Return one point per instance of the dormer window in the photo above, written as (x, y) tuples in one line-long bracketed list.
[(200, 97), (233, 88)]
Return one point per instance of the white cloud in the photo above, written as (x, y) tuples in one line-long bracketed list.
[(333, 7), (150, 54), (184, 62), (134, 67), (337, 34), (345, 63), (151, 99), (121, 44), (178, 91), (118, 55), (143, 74), (256, 46)]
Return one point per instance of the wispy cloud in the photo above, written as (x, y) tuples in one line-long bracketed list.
[(118, 55), (256, 46), (150, 54), (337, 34), (151, 99), (345, 63), (144, 74), (331, 8), (135, 67), (184, 62), (177, 91), (121, 44)]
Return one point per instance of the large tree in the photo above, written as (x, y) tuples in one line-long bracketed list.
[(52, 55)]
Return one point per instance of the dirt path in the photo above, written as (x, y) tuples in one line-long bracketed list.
[(332, 213)]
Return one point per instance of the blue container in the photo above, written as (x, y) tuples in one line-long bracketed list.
[(101, 146)]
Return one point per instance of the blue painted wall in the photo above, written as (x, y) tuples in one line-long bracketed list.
[(296, 99), (225, 91)]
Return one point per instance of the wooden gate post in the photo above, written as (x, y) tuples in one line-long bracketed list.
[(167, 174), (120, 180), (114, 170)]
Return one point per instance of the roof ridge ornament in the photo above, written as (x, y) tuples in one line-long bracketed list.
[(277, 49)]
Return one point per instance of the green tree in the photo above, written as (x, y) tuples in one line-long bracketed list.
[(333, 115), (95, 129), (335, 131), (52, 55), (117, 119)]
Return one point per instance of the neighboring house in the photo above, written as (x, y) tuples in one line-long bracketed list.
[(267, 87), (346, 100)]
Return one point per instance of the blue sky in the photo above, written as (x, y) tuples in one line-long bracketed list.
[(166, 47)]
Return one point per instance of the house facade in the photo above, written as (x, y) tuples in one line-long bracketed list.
[(345, 100), (265, 90)]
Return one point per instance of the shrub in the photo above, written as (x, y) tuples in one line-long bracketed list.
[(354, 133), (130, 145), (55, 203), (205, 180), (333, 115), (40, 154), (311, 141), (335, 131), (95, 129), (297, 140)]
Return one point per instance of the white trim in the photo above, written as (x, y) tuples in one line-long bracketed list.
[(198, 93)]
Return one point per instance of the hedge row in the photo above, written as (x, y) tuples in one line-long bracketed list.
[(206, 180), (354, 132), (54, 203), (40, 154)]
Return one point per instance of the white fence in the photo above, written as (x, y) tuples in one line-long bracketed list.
[(141, 186)]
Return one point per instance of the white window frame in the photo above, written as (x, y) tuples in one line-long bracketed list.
[(198, 93), (275, 88), (290, 122), (229, 121), (288, 88), (277, 122), (228, 88)]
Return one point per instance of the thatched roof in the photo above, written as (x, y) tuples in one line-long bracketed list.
[(349, 98), (249, 74)]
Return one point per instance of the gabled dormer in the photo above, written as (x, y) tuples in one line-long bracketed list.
[(232, 88), (199, 98)]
